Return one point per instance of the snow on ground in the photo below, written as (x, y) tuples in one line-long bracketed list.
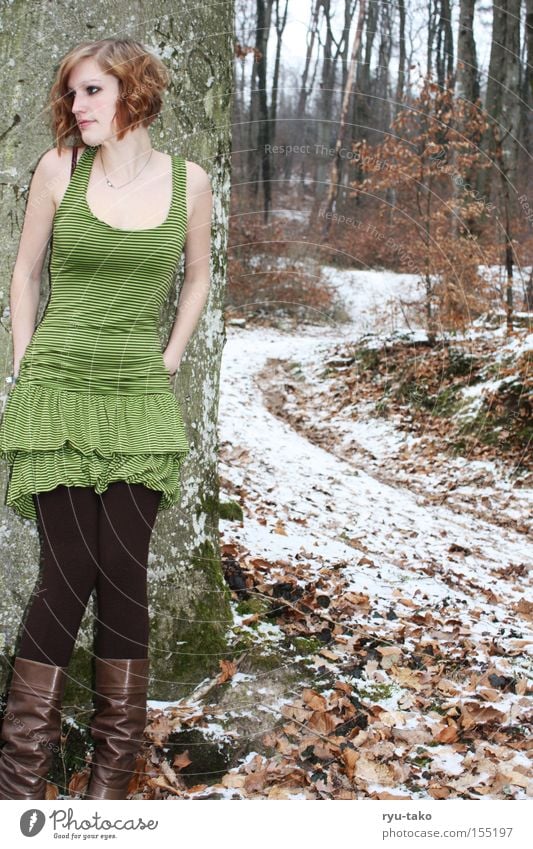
[(426, 576), (372, 299), (298, 480), (304, 504), (484, 488), (301, 480)]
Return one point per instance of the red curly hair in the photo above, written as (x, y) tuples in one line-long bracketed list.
[(142, 78)]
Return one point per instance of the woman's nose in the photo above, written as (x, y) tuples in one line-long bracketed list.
[(78, 105)]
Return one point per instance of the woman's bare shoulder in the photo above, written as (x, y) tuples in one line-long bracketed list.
[(198, 183), (56, 157), (55, 166), (196, 174)]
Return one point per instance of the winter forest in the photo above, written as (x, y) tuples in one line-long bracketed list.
[(340, 604), (377, 393)]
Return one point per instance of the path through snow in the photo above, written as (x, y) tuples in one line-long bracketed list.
[(288, 478), (418, 610)]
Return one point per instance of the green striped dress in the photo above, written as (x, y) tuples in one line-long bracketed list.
[(93, 402)]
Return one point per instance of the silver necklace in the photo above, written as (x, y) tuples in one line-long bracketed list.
[(108, 181)]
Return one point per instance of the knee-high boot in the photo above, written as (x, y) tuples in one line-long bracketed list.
[(31, 728), (118, 724)]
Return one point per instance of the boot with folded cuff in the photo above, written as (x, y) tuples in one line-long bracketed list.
[(118, 724), (31, 728)]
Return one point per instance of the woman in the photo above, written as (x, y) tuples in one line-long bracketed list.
[(92, 429)]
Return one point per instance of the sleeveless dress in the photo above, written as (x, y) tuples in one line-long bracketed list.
[(93, 401)]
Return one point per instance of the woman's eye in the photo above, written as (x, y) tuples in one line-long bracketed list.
[(89, 87)]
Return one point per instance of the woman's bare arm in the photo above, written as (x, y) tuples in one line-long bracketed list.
[(36, 231), (195, 289)]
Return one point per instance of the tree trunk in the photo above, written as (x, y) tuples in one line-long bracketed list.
[(501, 138), (325, 100), (529, 48), (467, 76), (188, 597), (467, 89), (264, 157), (336, 164), (510, 107), (400, 86), (444, 60), (279, 23), (306, 86)]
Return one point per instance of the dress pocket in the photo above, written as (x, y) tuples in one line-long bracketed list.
[(170, 376), (23, 361)]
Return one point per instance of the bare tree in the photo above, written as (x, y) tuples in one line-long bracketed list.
[(400, 83), (336, 164), (467, 75), (260, 98), (334, 52), (280, 21), (444, 51)]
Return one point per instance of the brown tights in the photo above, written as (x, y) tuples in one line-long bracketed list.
[(91, 541)]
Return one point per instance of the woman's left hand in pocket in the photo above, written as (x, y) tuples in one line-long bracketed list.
[(171, 368)]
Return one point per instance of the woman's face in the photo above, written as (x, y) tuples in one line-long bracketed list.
[(93, 97)]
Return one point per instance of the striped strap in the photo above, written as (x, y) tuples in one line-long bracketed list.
[(74, 160)]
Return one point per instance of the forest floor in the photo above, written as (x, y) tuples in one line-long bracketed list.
[(379, 567)]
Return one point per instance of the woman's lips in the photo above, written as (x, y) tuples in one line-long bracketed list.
[(85, 123)]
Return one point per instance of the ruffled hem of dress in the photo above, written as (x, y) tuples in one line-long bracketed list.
[(41, 471), (43, 418)]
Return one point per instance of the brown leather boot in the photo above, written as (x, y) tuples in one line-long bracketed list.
[(31, 728), (118, 724)]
